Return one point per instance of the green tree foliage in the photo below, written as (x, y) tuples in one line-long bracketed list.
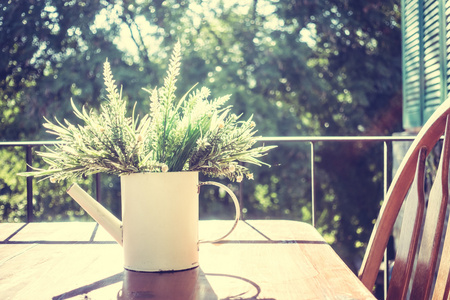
[(50, 52), (357, 52), (301, 67)]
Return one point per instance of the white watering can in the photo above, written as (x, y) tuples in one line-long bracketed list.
[(159, 228)]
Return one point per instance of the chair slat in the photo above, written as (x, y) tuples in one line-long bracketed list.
[(422, 282), (428, 136), (433, 226), (409, 235), (442, 286)]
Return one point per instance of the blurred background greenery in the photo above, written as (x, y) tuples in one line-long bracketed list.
[(301, 67)]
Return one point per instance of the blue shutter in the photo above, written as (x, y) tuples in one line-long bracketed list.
[(412, 64), (432, 60), (425, 58)]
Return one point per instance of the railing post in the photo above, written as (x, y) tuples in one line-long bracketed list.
[(241, 198), (385, 188), (98, 190), (313, 183), (29, 161)]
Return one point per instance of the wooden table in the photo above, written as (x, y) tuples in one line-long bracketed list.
[(260, 260)]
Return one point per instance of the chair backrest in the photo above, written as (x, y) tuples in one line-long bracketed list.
[(416, 261)]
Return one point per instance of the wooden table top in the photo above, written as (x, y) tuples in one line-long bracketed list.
[(259, 260)]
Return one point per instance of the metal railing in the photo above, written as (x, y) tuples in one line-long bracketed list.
[(28, 147), (314, 140)]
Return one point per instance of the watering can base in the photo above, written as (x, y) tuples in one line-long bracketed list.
[(194, 265)]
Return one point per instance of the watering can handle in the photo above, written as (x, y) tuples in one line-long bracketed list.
[(236, 205)]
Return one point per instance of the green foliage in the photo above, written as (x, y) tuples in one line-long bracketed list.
[(190, 134), (12, 188)]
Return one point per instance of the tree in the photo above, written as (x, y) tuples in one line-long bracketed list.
[(301, 67), (357, 51), (51, 51)]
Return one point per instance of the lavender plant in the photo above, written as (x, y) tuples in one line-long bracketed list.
[(189, 134)]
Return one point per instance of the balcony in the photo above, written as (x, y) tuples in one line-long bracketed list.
[(314, 196)]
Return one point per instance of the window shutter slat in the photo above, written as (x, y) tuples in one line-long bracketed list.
[(411, 65), (426, 58)]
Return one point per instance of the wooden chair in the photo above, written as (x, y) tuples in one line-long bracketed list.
[(416, 262)]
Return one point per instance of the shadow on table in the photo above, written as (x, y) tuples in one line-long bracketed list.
[(189, 284), (241, 296), (183, 285)]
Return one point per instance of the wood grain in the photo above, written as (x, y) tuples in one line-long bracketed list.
[(260, 260)]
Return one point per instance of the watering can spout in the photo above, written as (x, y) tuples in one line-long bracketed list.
[(100, 214)]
